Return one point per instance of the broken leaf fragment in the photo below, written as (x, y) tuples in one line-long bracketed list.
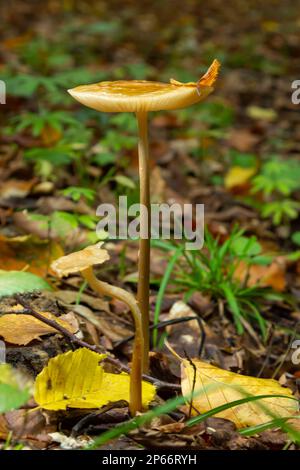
[(77, 380), (215, 387)]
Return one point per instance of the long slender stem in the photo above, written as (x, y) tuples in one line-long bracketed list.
[(136, 368), (145, 229)]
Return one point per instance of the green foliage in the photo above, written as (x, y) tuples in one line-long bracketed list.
[(36, 122), (277, 180), (278, 176), (296, 238), (242, 159), (61, 223), (12, 395), (175, 403), (215, 114), (279, 211), (211, 270), (76, 193), (58, 155), (15, 282)]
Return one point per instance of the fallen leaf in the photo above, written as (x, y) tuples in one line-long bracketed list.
[(263, 114), (238, 176), (28, 252), (16, 188), (13, 282), (77, 380), (272, 275), (242, 140), (217, 387), (22, 329)]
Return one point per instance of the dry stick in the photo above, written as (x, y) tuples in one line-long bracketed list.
[(145, 232), (31, 311)]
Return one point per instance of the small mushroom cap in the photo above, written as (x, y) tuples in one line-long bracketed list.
[(142, 96), (80, 260)]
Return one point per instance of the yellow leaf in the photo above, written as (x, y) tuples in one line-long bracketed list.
[(263, 114), (22, 329), (217, 387), (238, 176), (77, 380)]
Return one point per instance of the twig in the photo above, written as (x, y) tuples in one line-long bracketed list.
[(174, 321), (29, 310)]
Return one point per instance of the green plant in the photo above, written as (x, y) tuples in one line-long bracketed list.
[(280, 211), (76, 193), (277, 180), (175, 403), (212, 271), (37, 122)]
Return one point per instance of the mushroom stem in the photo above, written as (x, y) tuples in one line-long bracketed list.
[(145, 232), (104, 288)]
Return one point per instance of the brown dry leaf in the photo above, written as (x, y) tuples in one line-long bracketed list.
[(215, 387), (264, 276), (27, 252), (16, 188), (243, 139), (50, 135), (22, 329)]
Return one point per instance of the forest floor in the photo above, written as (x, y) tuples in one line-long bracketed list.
[(238, 153)]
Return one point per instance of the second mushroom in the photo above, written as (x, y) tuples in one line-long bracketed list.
[(83, 262)]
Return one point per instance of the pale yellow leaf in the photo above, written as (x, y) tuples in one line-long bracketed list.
[(22, 329), (76, 380), (238, 176), (215, 387)]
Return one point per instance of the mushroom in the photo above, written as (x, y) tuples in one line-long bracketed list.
[(83, 262), (140, 97)]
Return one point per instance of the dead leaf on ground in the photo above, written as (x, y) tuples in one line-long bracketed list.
[(22, 329), (29, 253), (77, 380), (217, 387), (242, 140), (238, 177), (272, 275)]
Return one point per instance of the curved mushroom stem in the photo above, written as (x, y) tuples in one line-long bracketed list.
[(145, 235), (136, 369)]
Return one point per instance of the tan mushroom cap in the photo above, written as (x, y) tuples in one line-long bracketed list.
[(142, 95), (80, 260)]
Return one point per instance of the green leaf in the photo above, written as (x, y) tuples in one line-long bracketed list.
[(296, 238), (244, 246), (125, 181), (14, 282), (11, 397)]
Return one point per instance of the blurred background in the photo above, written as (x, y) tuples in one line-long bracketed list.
[(237, 152)]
